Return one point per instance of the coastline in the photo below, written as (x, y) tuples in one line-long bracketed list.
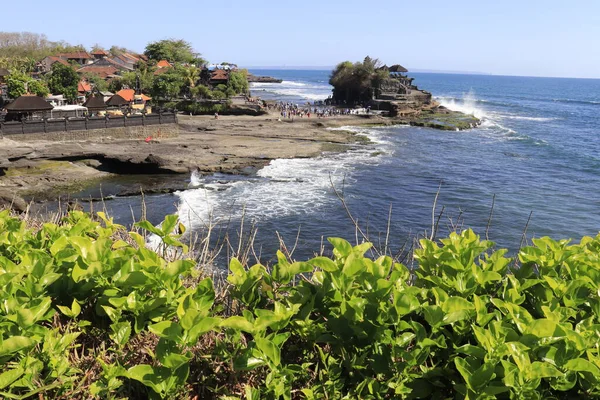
[(46, 170)]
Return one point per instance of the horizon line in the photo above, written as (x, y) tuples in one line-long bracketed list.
[(416, 70)]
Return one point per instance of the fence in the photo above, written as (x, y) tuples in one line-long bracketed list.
[(83, 124)]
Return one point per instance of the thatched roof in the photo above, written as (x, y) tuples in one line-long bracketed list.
[(116, 101), (28, 103), (397, 68), (4, 72), (95, 103)]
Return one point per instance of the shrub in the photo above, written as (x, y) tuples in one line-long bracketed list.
[(88, 311)]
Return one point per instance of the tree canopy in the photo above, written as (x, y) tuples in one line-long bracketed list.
[(354, 83), (19, 83), (63, 80), (174, 51), (31, 45)]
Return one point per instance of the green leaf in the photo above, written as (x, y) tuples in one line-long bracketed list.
[(582, 365), (169, 224), (167, 329), (146, 225), (538, 370), (204, 325), (121, 332), (544, 327), (270, 350), (14, 344), (238, 323), (405, 303), (341, 247), (324, 263), (8, 377), (153, 377), (26, 317)]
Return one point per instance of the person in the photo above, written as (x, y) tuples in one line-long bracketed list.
[(216, 115)]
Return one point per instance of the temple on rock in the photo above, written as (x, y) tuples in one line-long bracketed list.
[(399, 88)]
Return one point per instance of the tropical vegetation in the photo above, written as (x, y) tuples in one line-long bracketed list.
[(88, 311), (185, 78), (354, 82)]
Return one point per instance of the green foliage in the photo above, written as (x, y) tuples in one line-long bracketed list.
[(19, 83), (168, 85), (21, 64), (96, 81), (174, 51), (238, 82), (355, 82), (63, 80), (465, 324), (26, 48)]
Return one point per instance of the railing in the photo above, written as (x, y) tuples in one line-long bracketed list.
[(68, 124)]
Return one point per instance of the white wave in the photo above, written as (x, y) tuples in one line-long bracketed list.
[(539, 119), (293, 83), (302, 93), (284, 187), (466, 105)]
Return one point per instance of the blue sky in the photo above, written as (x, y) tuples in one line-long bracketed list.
[(526, 37)]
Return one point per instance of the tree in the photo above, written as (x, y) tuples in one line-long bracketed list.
[(63, 80), (191, 75), (355, 82), (202, 92), (38, 88), (31, 45), (168, 85), (174, 51), (19, 84), (238, 82), (96, 81), (117, 50)]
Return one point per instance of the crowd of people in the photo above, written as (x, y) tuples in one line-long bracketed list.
[(291, 110)]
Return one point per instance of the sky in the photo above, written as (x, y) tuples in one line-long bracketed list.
[(508, 37)]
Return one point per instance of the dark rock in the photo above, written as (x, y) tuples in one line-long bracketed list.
[(13, 202)]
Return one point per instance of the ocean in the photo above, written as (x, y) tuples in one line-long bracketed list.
[(536, 156)]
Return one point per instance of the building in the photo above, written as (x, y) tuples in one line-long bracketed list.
[(79, 57), (95, 104), (136, 101), (219, 76), (27, 107), (104, 68), (99, 54), (400, 88), (45, 65), (128, 61)]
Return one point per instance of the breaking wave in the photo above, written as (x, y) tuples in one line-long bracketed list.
[(284, 187)]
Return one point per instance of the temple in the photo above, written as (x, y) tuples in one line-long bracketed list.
[(399, 88)]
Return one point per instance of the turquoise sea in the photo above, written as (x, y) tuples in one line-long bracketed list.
[(537, 151)]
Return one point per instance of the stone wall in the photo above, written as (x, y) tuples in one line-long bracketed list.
[(102, 135)]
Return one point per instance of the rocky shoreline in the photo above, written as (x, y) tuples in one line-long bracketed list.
[(46, 170)]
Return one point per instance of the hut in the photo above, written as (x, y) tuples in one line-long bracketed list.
[(27, 106), (95, 104), (397, 69), (116, 104)]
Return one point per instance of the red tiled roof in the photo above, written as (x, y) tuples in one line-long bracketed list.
[(103, 71), (219, 75), (145, 98), (83, 87), (58, 59), (99, 52), (163, 64), (75, 55), (127, 94)]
